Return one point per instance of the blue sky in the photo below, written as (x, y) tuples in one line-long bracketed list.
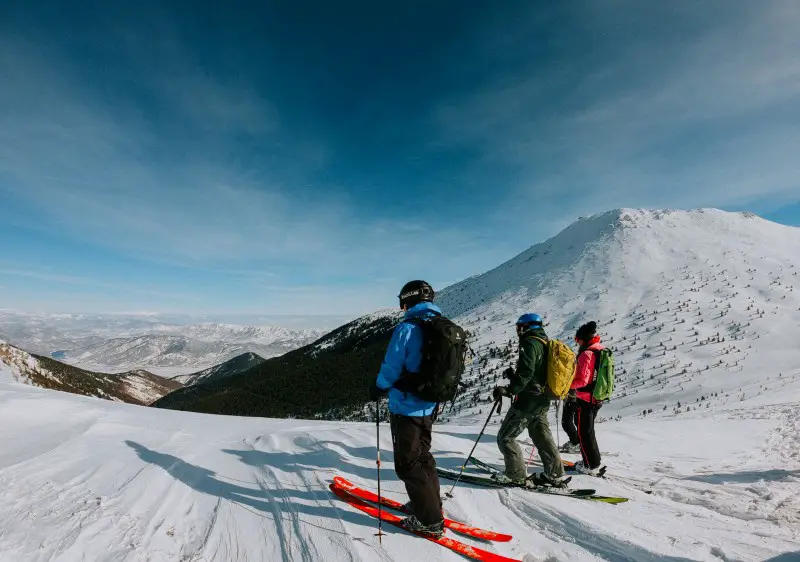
[(310, 157)]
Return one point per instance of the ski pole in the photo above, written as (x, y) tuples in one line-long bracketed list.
[(379, 534), (496, 406)]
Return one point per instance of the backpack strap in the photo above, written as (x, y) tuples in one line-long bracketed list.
[(596, 353), (589, 388), (406, 377)]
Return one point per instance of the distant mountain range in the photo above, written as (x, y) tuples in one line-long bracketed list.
[(135, 387), (189, 346), (114, 343)]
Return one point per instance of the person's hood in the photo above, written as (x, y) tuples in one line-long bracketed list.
[(423, 310)]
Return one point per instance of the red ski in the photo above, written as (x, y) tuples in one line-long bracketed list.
[(456, 526), (456, 546)]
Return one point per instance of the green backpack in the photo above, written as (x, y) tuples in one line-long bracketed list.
[(604, 383)]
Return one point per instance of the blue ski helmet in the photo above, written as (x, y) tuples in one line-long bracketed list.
[(530, 319)]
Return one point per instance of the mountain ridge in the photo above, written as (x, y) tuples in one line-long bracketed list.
[(135, 387)]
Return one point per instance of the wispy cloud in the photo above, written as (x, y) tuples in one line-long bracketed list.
[(662, 106), (113, 288), (107, 175)]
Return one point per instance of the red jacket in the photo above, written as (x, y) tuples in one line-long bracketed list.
[(585, 370)]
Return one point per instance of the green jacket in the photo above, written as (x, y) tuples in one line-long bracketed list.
[(530, 378)]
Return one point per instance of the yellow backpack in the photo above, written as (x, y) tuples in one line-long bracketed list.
[(560, 368)]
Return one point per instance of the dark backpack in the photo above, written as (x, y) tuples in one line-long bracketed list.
[(444, 348)]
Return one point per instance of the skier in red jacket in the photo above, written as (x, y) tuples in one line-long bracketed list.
[(585, 376)]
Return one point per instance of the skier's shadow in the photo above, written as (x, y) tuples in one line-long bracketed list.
[(324, 457), (333, 457), (283, 505), (786, 557), (747, 477)]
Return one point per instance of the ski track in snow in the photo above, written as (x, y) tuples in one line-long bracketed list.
[(85, 479)]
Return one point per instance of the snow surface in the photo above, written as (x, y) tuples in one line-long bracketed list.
[(86, 479)]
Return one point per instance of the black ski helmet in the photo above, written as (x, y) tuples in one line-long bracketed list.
[(415, 292)]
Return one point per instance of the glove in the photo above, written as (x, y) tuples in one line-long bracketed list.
[(499, 392), (508, 373), (376, 393), (571, 395)]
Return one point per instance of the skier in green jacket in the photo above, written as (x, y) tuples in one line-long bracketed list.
[(529, 409)]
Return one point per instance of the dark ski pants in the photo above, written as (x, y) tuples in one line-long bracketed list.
[(589, 450), (415, 466), (538, 428), (569, 420)]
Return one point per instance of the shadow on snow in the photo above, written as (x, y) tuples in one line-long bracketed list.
[(265, 502), (745, 477)]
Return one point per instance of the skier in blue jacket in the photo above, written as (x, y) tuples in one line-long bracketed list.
[(412, 418)]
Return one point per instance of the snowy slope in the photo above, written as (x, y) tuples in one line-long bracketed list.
[(238, 364), (82, 479), (137, 387), (694, 303)]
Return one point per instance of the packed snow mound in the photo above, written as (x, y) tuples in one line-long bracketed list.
[(95, 480)]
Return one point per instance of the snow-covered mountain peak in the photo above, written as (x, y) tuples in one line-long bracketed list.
[(674, 292), (626, 247)]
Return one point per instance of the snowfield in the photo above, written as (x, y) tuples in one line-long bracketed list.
[(86, 479)]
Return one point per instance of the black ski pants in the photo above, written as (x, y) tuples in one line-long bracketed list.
[(569, 420), (415, 466), (590, 452)]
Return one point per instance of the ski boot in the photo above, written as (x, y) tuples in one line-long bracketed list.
[(539, 480), (434, 531), (570, 448), (501, 478), (581, 468)]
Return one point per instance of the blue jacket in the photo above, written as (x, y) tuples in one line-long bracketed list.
[(405, 354)]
